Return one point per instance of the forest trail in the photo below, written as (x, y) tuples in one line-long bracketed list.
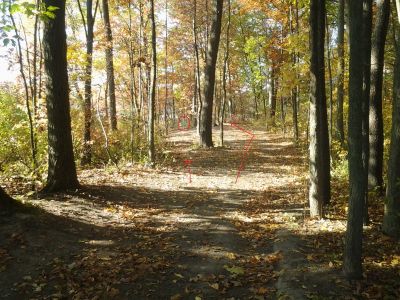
[(153, 234)]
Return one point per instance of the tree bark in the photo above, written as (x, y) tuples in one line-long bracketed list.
[(209, 76), (341, 70), (319, 193), (353, 245), (89, 27), (61, 165), (110, 66), (224, 74), (367, 32), (375, 167), (391, 219), (152, 94)]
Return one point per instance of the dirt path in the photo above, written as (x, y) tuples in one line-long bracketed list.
[(147, 234)]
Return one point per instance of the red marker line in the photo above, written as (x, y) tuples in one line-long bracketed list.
[(246, 148), (187, 163)]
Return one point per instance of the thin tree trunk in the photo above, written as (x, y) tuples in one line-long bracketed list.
[(375, 167), (224, 73), (152, 94), (341, 66), (166, 68), (328, 50), (26, 90), (272, 96), (89, 31), (209, 76), (110, 66), (197, 59)]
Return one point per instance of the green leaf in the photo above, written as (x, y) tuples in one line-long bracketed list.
[(52, 8)]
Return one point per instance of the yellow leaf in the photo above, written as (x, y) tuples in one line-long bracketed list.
[(215, 286), (234, 270), (262, 290)]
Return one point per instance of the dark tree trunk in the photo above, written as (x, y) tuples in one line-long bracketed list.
[(367, 32), (152, 94), (61, 164), (110, 66), (341, 66), (87, 147), (391, 220), (209, 76), (353, 245), (375, 167), (319, 144), (7, 203)]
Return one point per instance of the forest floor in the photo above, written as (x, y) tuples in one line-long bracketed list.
[(139, 233)]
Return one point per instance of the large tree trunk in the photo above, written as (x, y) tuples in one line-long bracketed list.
[(353, 245), (391, 220), (319, 144), (87, 146), (110, 66), (375, 167), (152, 94), (341, 66), (61, 164), (209, 76)]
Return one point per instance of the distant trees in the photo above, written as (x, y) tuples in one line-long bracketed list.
[(61, 164), (319, 193), (209, 76)]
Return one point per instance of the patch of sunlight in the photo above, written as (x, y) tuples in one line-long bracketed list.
[(99, 242), (212, 252), (238, 216)]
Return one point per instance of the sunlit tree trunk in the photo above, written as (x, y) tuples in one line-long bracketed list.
[(209, 76), (89, 31), (152, 94), (375, 167), (61, 165), (110, 66), (224, 73)]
